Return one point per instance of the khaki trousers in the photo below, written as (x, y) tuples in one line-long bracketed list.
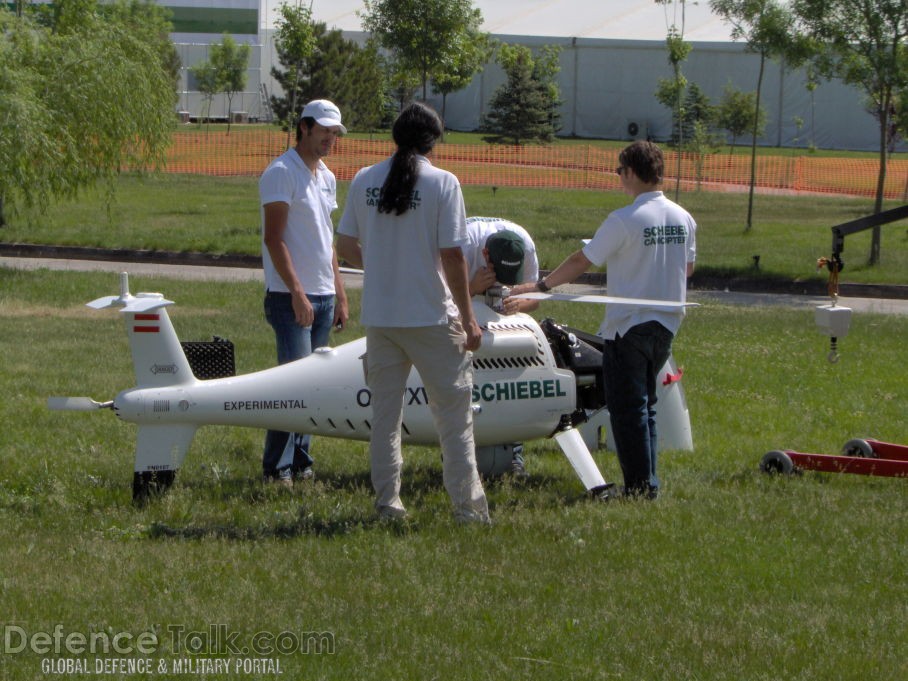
[(446, 372)]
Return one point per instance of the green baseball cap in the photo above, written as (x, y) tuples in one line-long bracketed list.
[(506, 253)]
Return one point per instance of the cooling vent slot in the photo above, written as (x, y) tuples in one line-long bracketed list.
[(507, 362), (514, 345), (160, 406)]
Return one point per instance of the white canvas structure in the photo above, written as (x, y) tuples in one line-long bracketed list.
[(198, 24), (608, 85), (612, 57)]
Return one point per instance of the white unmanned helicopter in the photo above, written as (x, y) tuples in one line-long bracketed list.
[(531, 380)]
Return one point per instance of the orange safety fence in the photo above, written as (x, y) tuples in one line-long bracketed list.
[(248, 152)]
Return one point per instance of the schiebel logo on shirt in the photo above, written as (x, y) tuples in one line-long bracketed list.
[(373, 194), (665, 234)]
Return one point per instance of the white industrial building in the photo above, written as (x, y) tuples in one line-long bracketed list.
[(612, 57)]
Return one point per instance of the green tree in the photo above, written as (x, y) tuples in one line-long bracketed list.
[(471, 56), (401, 84), (347, 74), (698, 126), (671, 92), (698, 110), (770, 29), (864, 45), (294, 43), (424, 35), (736, 113), (206, 81), (86, 89), (337, 69), (368, 107), (525, 108), (901, 125), (701, 142), (545, 69), (900, 120), (811, 83), (230, 61)]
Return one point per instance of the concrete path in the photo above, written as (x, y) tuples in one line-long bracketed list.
[(208, 273), (194, 272)]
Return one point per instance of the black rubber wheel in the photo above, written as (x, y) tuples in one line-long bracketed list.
[(494, 461), (858, 447), (150, 484), (775, 462)]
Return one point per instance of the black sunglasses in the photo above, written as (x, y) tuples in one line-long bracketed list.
[(620, 169)]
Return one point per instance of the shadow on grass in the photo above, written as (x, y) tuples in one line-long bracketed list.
[(422, 486), (305, 525), (755, 279)]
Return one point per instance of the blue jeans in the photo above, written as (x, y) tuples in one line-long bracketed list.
[(288, 453), (631, 364)]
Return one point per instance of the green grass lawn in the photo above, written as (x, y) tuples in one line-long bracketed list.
[(221, 215), (731, 574)]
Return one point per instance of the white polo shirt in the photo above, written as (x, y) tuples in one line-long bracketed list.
[(645, 248), (310, 233), (403, 280)]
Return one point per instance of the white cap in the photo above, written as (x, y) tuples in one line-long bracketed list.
[(325, 113)]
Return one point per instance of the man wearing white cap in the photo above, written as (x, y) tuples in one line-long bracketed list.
[(304, 292)]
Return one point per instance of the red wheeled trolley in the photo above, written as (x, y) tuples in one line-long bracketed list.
[(861, 457)]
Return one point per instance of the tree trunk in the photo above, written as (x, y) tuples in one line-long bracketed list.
[(880, 182), (229, 113), (292, 120), (680, 135), (753, 148)]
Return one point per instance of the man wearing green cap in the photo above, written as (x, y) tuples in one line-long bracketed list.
[(500, 251)]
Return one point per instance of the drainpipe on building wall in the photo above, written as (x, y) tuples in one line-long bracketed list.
[(781, 100), (574, 103)]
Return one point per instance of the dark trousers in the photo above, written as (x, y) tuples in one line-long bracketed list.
[(287, 453), (631, 364)]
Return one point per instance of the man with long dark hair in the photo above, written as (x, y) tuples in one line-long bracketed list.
[(405, 224)]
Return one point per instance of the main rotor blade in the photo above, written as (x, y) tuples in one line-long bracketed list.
[(601, 299), (76, 404)]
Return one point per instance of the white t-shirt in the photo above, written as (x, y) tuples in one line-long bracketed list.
[(403, 280), (645, 247), (480, 229), (310, 233)]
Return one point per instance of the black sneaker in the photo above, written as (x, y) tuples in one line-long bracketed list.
[(644, 491), (606, 492)]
